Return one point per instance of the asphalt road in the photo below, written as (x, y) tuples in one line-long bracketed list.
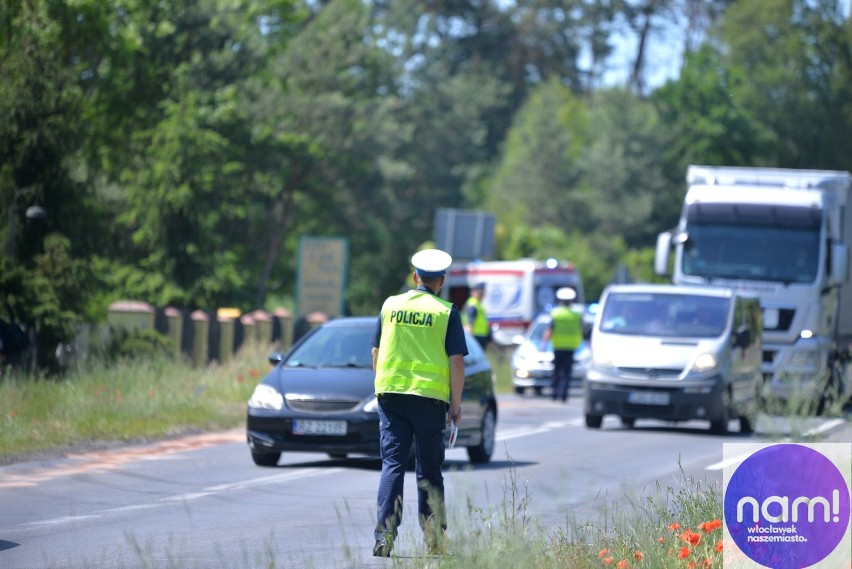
[(201, 502)]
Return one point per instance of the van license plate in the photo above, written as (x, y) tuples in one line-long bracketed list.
[(648, 397), (328, 428)]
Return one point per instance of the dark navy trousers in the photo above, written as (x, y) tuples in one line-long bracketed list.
[(563, 366), (403, 419)]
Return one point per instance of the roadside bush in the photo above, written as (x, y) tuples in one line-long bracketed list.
[(135, 344)]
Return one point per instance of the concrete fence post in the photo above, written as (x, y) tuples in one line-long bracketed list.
[(175, 330), (201, 325)]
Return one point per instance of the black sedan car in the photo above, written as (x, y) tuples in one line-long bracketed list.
[(319, 397)]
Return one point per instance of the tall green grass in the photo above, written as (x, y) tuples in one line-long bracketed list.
[(664, 527), (125, 401)]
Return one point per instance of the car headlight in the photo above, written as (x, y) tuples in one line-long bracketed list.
[(601, 359), (266, 397), (372, 405), (704, 362)]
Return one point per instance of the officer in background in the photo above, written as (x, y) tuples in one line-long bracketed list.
[(418, 355), (566, 334), (474, 317)]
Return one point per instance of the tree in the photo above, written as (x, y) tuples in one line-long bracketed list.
[(538, 180), (705, 124), (627, 193), (794, 61), (331, 134), (193, 169), (40, 104)]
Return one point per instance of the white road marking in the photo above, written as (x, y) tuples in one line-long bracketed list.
[(826, 426), (209, 491), (821, 428)]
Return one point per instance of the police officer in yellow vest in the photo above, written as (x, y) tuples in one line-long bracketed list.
[(566, 334), (474, 317), (418, 356)]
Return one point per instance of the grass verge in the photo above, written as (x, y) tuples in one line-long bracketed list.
[(133, 400)]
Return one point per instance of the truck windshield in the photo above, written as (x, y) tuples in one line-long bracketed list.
[(771, 247), (665, 315)]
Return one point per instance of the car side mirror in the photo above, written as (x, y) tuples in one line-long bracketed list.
[(275, 358)]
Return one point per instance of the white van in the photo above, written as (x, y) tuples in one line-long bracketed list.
[(515, 291), (675, 353)]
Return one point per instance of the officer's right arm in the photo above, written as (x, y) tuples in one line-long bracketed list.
[(456, 386)]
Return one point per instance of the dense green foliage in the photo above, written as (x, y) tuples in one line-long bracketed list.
[(180, 149)]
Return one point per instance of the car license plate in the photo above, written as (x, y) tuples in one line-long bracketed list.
[(648, 397), (311, 427)]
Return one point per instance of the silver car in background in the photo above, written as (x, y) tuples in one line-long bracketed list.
[(532, 367), (675, 353)]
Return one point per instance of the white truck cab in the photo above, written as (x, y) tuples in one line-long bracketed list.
[(785, 236)]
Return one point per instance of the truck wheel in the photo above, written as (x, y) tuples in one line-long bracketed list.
[(266, 458), (746, 426), (628, 422), (520, 390), (594, 421), (719, 426)]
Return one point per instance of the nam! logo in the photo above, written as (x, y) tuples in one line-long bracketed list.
[(787, 506)]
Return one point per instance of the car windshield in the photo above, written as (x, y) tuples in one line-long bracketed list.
[(668, 315), (537, 331), (334, 346)]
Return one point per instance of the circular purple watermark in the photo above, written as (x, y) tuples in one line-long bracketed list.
[(787, 506)]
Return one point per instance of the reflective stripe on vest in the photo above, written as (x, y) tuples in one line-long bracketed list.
[(412, 355), (567, 329), (480, 324)]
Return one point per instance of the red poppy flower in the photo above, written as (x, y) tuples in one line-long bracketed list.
[(690, 537)]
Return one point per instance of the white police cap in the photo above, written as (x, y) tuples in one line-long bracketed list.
[(431, 263), (566, 293)]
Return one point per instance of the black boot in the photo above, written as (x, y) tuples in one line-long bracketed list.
[(382, 548)]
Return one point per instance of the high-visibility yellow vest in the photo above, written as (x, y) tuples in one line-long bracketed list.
[(480, 324), (567, 329), (412, 356)]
